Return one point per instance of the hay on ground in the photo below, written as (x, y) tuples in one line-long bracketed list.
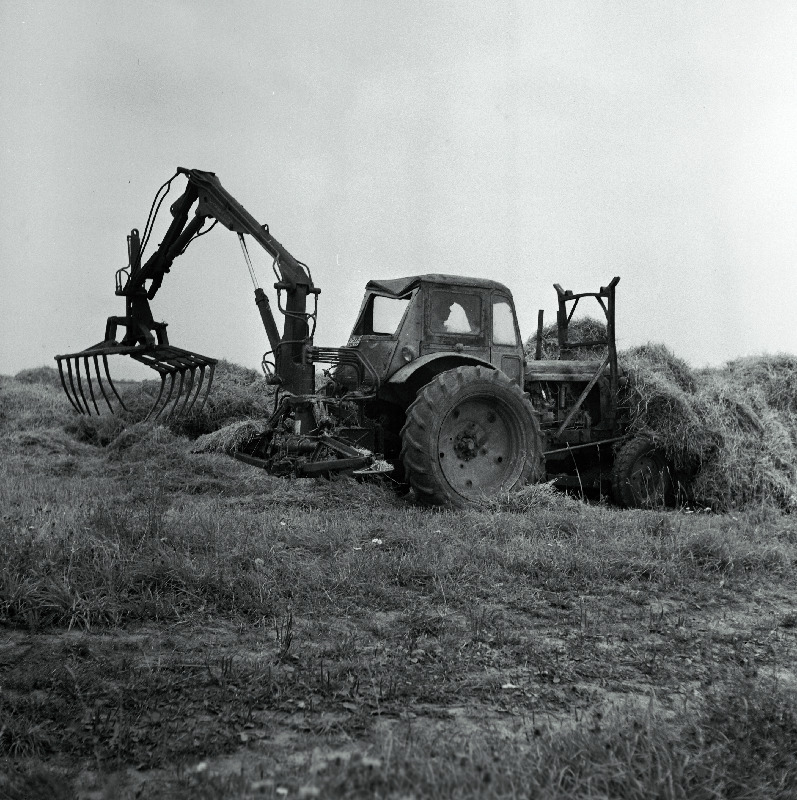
[(229, 438)]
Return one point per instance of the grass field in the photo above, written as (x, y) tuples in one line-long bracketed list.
[(180, 625)]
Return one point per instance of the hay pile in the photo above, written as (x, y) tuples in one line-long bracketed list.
[(46, 376), (732, 430), (237, 392), (583, 329), (238, 404), (26, 404)]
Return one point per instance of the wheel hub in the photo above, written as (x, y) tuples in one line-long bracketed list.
[(478, 450), (466, 444), (648, 480)]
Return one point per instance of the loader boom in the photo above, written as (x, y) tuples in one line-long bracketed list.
[(214, 202)]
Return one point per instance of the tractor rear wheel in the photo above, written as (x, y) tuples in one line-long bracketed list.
[(642, 476), (469, 434)]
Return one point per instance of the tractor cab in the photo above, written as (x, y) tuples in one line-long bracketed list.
[(406, 323)]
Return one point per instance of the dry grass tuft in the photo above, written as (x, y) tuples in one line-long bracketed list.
[(531, 497)]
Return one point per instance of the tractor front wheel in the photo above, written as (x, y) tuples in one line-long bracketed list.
[(642, 476), (469, 434)]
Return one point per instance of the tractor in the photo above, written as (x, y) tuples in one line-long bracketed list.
[(433, 386)]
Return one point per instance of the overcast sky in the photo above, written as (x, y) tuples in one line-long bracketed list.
[(530, 142)]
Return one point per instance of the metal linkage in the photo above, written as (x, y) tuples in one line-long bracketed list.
[(183, 375)]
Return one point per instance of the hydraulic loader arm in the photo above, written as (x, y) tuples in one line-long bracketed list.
[(213, 201)]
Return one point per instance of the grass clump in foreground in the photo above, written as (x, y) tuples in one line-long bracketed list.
[(106, 526), (109, 523), (737, 746)]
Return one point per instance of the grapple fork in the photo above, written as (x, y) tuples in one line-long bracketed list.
[(185, 378)]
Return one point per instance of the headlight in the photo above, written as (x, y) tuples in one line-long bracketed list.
[(407, 354)]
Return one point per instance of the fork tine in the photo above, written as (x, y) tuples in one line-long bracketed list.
[(181, 372), (198, 389), (170, 375), (111, 382), (163, 375), (207, 389), (80, 386), (73, 386), (63, 384), (90, 383), (188, 391), (100, 384)]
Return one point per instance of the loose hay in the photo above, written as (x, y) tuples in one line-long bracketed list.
[(731, 432), (238, 394), (229, 438)]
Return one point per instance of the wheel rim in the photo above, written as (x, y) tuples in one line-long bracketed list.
[(480, 447), (649, 481)]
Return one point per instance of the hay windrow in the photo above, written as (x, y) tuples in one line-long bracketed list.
[(774, 375), (28, 404)]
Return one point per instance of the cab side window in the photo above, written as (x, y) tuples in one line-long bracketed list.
[(503, 323)]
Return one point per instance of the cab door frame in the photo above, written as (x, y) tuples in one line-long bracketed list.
[(508, 357)]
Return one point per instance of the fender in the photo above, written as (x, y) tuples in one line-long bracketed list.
[(432, 364)]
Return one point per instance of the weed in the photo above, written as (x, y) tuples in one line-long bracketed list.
[(283, 629)]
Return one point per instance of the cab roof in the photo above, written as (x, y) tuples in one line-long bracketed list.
[(398, 287)]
